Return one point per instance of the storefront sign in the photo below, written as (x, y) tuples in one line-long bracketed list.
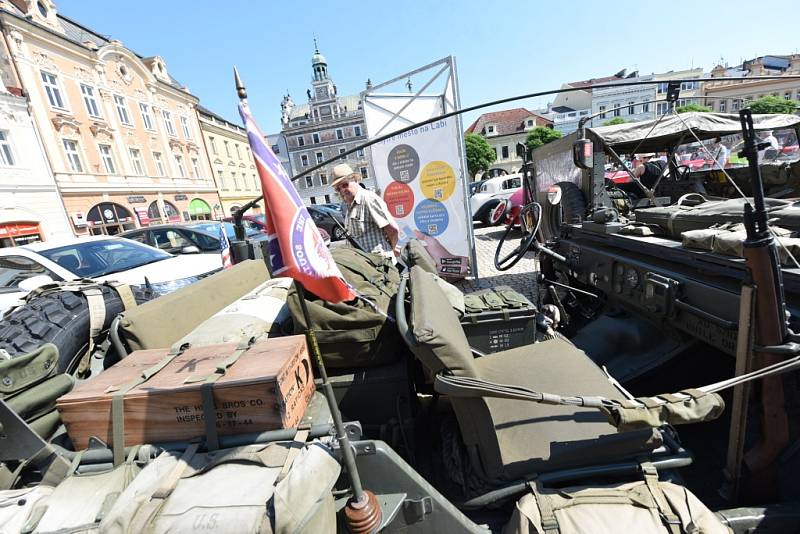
[(18, 229), (79, 219), (141, 214), (138, 199), (181, 197)]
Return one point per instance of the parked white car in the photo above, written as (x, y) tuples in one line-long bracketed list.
[(102, 258), (489, 195)]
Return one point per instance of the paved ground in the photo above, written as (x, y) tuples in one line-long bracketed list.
[(520, 277)]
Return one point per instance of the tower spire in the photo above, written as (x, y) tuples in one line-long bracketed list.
[(316, 48)]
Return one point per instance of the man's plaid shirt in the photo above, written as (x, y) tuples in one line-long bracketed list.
[(365, 219)]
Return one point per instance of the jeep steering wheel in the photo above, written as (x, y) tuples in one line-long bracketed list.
[(681, 172), (530, 226)]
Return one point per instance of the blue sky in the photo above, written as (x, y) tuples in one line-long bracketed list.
[(502, 48)]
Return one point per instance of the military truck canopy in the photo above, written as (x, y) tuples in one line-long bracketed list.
[(674, 129)]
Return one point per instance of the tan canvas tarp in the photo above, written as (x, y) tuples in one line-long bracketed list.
[(626, 137)]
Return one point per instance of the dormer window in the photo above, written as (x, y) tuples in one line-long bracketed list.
[(490, 129), (42, 9), (529, 123)]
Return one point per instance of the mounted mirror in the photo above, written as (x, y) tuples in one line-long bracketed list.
[(583, 153)]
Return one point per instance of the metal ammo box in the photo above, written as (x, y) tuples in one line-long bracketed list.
[(498, 319)]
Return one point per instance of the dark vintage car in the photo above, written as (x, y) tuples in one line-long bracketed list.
[(257, 223), (188, 238)]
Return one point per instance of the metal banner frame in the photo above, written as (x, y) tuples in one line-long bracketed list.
[(446, 101)]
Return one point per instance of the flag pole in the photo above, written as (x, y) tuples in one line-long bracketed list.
[(363, 513)]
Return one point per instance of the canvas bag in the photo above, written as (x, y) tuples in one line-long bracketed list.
[(642, 507), (16, 506), (231, 491), (354, 334), (30, 384), (79, 502)]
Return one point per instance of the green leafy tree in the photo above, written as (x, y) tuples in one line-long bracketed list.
[(480, 155), (692, 106), (541, 136), (774, 104), (615, 120)]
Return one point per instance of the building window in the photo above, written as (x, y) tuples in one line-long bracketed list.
[(108, 159), (504, 152), (663, 108), (323, 179), (602, 112), (221, 180), (90, 101), (736, 104), (360, 153), (6, 154), (179, 163), (235, 180), (159, 164), (195, 168), (320, 157), (168, 122), (327, 199), (339, 133), (53, 91), (275, 149), (213, 145), (662, 87), (122, 110), (136, 160), (314, 138), (364, 173), (787, 95), (723, 105), (238, 152), (616, 110), (301, 141), (304, 160), (309, 182), (74, 158), (357, 131), (144, 111), (342, 151), (227, 148), (529, 123), (490, 129), (313, 201), (646, 107), (187, 134), (631, 108)]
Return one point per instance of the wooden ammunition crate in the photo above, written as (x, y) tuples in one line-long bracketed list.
[(268, 387)]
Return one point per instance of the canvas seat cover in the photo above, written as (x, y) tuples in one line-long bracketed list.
[(146, 327), (510, 438), (17, 505)]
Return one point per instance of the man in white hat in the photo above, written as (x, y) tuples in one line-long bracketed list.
[(367, 218)]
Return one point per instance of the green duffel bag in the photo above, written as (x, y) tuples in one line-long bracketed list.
[(355, 334), (30, 385)]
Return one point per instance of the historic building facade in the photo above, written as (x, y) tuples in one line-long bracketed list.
[(231, 162), (327, 125), (729, 96), (30, 206), (122, 136), (503, 130)]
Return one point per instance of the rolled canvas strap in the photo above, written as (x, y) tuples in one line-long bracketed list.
[(671, 521), (295, 447), (118, 400), (125, 294), (547, 516), (207, 391)]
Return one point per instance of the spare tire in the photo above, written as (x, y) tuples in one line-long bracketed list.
[(60, 318)]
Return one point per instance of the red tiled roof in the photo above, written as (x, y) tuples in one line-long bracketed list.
[(506, 122)]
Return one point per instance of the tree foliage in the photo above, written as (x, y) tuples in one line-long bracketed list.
[(615, 120), (541, 136), (480, 155), (692, 106), (774, 104)]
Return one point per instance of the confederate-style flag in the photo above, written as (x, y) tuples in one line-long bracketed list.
[(296, 248)]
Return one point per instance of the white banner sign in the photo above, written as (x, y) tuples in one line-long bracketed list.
[(420, 177)]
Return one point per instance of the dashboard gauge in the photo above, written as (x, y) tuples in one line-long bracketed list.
[(631, 278)]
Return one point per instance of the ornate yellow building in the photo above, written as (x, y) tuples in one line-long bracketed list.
[(231, 161), (122, 136)]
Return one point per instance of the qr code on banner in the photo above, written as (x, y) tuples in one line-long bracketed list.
[(404, 175), (400, 209), (433, 229), (438, 193)]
